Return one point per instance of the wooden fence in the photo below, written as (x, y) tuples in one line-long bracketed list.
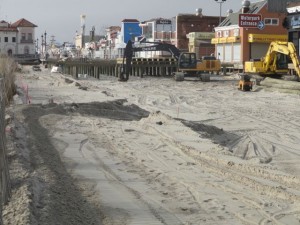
[(95, 68), (5, 189)]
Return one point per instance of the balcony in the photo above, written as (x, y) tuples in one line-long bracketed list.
[(23, 41)]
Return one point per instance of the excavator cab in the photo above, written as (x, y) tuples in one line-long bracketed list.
[(187, 60), (282, 61)]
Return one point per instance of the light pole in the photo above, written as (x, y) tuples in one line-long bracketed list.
[(220, 2), (45, 34), (42, 45)]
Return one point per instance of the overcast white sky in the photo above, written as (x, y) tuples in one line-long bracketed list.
[(61, 18)]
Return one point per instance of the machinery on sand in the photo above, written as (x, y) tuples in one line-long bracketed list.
[(245, 83), (275, 62), (187, 63)]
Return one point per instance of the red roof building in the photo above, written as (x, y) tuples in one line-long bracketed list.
[(17, 38)]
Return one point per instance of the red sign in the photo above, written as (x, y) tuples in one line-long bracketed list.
[(249, 20)]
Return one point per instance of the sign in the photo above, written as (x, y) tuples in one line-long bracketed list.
[(266, 38), (225, 40), (261, 25), (295, 22), (249, 20), (163, 21), (204, 35)]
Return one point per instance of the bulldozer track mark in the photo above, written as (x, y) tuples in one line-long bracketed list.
[(239, 174), (145, 219)]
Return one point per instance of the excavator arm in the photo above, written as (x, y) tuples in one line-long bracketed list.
[(154, 46), (187, 61), (294, 57)]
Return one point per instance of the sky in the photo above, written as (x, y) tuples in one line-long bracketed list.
[(61, 18)]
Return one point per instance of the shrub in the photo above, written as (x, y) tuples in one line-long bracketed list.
[(7, 72)]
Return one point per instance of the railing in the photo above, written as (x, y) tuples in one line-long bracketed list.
[(23, 41)]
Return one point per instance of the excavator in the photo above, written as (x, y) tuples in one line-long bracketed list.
[(187, 61), (275, 62)]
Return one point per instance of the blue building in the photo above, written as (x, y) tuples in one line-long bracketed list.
[(130, 29)]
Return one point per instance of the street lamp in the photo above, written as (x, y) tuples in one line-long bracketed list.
[(220, 2), (42, 45), (45, 35)]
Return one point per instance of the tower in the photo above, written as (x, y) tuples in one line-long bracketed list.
[(82, 21)]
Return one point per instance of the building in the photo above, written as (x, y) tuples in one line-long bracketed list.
[(130, 29), (112, 34), (246, 35), (200, 43), (200, 26), (292, 23), (17, 38), (188, 32), (279, 5), (107, 45)]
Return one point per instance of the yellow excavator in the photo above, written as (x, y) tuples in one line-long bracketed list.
[(187, 63), (275, 62)]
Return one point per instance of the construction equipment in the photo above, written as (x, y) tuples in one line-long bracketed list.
[(188, 64), (275, 62), (245, 83)]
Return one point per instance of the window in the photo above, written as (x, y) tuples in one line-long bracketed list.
[(30, 36), (236, 32), (226, 33), (6, 39), (26, 50), (271, 21), (13, 39), (23, 37)]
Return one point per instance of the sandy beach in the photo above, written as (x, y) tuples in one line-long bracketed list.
[(151, 151)]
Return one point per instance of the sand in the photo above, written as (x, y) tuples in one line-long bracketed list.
[(152, 151)]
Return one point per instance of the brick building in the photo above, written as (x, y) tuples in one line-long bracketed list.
[(189, 23), (188, 32), (238, 40)]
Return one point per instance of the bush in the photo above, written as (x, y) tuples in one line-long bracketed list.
[(7, 72)]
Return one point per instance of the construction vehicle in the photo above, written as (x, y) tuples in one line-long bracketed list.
[(275, 62), (245, 83), (188, 64)]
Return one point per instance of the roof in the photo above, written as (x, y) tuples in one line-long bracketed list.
[(8, 29), (23, 23), (113, 28), (293, 7), (233, 18), (293, 4), (5, 26), (130, 21)]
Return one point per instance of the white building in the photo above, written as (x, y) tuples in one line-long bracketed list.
[(17, 38)]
